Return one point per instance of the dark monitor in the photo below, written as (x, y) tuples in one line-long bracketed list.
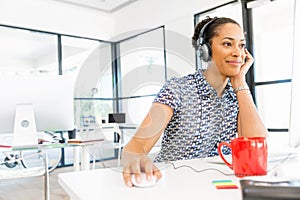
[(116, 118)]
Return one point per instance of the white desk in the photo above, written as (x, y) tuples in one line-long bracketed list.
[(182, 183)]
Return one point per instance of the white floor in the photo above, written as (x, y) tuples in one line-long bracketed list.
[(32, 188)]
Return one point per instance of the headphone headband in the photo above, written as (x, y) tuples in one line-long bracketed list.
[(201, 39), (204, 48)]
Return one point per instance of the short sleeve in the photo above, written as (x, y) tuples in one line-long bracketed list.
[(169, 94)]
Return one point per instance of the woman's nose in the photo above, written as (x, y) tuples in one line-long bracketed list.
[(237, 52)]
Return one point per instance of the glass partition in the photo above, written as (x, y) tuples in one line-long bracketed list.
[(33, 52), (142, 71), (75, 52), (89, 62), (25, 52)]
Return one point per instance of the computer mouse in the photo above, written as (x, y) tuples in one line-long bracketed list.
[(144, 182)]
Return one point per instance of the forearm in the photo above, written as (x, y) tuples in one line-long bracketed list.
[(134, 155), (249, 121), (140, 145), (150, 130)]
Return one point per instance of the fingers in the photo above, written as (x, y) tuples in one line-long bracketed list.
[(247, 64), (137, 166), (240, 79), (151, 170), (156, 172), (132, 167), (127, 179), (248, 58)]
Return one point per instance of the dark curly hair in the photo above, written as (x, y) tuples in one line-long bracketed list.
[(211, 30)]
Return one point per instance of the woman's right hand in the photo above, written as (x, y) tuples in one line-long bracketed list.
[(136, 164), (135, 159)]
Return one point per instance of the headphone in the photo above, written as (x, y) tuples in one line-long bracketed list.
[(204, 46)]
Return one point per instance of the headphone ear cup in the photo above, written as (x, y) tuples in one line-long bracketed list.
[(205, 52)]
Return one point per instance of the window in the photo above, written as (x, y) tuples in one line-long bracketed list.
[(33, 52), (24, 52), (143, 72), (273, 53)]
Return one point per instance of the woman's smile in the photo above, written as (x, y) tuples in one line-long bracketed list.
[(234, 62)]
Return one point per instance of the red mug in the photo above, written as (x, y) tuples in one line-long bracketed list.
[(249, 156)]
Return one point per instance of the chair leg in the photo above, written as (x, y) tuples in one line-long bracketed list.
[(119, 155)]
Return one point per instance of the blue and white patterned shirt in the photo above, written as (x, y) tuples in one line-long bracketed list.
[(200, 121)]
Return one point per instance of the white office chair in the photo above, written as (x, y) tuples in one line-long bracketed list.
[(101, 137), (109, 130)]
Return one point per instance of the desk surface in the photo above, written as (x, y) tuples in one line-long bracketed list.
[(175, 184), (180, 183), (38, 146)]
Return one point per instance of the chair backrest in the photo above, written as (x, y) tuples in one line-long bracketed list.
[(95, 130)]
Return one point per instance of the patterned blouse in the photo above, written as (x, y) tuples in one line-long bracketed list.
[(200, 121)]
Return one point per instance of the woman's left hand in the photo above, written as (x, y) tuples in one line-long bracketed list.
[(240, 78)]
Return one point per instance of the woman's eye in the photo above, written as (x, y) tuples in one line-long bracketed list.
[(227, 44), (243, 45)]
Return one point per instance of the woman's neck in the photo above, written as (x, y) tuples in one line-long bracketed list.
[(216, 79)]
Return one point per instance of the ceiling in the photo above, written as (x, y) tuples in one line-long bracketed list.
[(108, 6)]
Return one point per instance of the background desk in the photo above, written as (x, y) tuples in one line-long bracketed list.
[(40, 171), (182, 183), (108, 133)]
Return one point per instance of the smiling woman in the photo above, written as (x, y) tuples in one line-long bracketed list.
[(196, 112), (229, 50)]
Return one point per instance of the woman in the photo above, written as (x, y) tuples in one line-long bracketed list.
[(196, 112)]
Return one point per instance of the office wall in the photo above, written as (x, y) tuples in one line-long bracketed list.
[(50, 15), (178, 18), (176, 15)]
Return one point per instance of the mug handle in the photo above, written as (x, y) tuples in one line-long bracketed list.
[(221, 154)]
